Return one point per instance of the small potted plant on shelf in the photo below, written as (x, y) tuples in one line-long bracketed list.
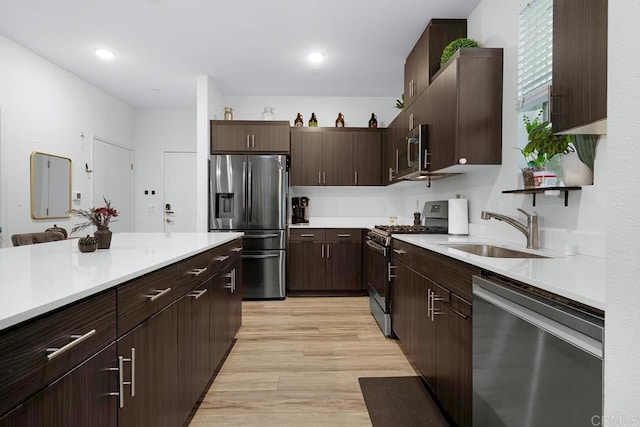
[(541, 147)]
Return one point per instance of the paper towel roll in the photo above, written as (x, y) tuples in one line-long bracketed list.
[(458, 217)]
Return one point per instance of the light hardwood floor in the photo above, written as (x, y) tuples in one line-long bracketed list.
[(297, 363)]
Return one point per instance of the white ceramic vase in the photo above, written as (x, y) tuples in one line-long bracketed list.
[(574, 172)]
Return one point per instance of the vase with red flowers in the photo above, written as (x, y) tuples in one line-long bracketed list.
[(99, 217)]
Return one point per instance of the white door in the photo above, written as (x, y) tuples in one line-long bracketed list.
[(179, 192), (113, 179)]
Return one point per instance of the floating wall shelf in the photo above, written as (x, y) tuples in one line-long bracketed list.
[(544, 190)]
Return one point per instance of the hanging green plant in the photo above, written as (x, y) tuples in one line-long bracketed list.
[(454, 46), (400, 102)]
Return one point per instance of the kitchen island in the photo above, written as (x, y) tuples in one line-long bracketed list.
[(99, 327)]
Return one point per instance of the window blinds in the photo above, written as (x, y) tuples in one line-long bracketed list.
[(535, 52)]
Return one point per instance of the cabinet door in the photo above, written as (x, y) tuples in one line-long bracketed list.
[(152, 398), (441, 106), (454, 357), (367, 158), (579, 63), (401, 305), (337, 158), (306, 158), (83, 397), (424, 329), (227, 137), (219, 318), (306, 266), (193, 348), (344, 265), (235, 301), (270, 138)]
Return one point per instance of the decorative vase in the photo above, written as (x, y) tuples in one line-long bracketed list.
[(268, 114), (228, 113), (103, 234), (574, 172), (87, 244)]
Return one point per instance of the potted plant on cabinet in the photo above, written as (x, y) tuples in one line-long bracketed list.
[(542, 146)]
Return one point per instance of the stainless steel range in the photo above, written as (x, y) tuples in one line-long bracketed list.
[(377, 257)]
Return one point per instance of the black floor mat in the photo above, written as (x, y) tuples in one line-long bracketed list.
[(400, 402)]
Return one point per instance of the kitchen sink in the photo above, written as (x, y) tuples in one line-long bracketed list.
[(492, 251)]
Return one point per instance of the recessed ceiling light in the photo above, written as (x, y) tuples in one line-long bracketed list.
[(316, 57), (105, 53)]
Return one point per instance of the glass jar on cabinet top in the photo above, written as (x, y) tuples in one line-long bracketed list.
[(268, 113)]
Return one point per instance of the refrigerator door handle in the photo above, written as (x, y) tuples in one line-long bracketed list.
[(250, 192), (244, 185)]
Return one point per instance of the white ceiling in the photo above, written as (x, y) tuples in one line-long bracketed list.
[(248, 47)]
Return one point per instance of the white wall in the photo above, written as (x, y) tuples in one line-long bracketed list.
[(155, 132), (357, 111), (45, 108), (622, 340)]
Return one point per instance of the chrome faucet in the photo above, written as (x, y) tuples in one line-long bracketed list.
[(530, 230)]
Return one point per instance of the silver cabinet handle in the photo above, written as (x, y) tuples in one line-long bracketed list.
[(238, 249), (355, 179), (197, 271), (307, 235), (77, 339), (389, 268), (397, 161), (221, 258), (322, 251), (159, 294), (408, 152), (231, 285), (324, 177), (253, 141), (327, 250), (122, 382), (435, 312), (399, 251), (319, 177), (344, 235), (248, 141), (259, 236), (198, 294)]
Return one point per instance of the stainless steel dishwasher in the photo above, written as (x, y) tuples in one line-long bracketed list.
[(536, 361)]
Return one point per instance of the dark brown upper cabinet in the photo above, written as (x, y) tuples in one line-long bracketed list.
[(424, 60), (336, 157), (239, 136), (464, 112), (579, 96)]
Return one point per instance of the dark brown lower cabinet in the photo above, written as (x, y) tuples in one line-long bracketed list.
[(325, 260), (83, 397), (225, 312), (150, 353), (453, 358), (434, 328), (306, 265), (193, 347)]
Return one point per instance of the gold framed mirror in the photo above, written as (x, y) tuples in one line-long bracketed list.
[(50, 186)]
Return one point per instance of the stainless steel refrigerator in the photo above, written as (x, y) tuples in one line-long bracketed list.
[(249, 193)]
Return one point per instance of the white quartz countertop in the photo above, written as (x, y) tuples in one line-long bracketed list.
[(35, 279), (578, 277)]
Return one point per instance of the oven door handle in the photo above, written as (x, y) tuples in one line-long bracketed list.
[(377, 247)]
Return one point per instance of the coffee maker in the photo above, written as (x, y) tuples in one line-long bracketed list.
[(300, 210)]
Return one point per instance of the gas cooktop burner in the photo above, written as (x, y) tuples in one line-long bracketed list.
[(411, 229)]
